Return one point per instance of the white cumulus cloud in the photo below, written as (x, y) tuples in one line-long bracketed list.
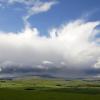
[(68, 47)]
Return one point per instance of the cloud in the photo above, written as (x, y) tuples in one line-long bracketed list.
[(97, 65), (47, 62), (38, 7), (70, 50), (27, 2), (32, 7)]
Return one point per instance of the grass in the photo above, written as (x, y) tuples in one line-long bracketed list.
[(13, 94), (46, 89)]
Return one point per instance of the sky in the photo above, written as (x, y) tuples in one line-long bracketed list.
[(59, 38)]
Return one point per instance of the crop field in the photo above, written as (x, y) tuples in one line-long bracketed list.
[(49, 89)]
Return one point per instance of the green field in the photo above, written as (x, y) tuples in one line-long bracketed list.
[(49, 89)]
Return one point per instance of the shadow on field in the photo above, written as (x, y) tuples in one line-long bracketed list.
[(90, 91)]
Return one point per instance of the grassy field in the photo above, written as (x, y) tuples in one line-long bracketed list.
[(47, 89)]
